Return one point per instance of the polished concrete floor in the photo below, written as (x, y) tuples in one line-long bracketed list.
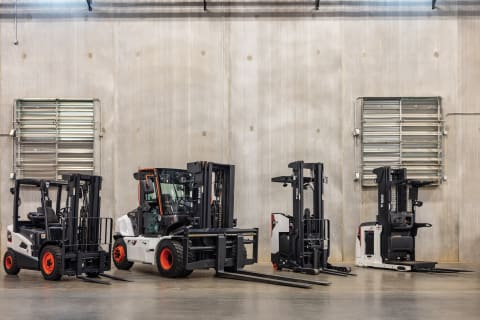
[(372, 294)]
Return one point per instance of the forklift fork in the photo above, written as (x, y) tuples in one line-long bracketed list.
[(240, 274), (99, 281), (93, 280), (270, 279)]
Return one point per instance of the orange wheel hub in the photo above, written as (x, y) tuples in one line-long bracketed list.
[(119, 254), (166, 259), (9, 262), (48, 263)]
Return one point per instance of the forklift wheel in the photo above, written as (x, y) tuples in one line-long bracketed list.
[(120, 255), (10, 263), (51, 263), (169, 257)]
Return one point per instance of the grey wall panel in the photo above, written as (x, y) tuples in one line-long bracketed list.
[(258, 93)]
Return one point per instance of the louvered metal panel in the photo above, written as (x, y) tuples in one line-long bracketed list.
[(402, 132), (54, 137)]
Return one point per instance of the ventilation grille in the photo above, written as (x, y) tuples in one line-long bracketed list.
[(402, 132), (54, 137)]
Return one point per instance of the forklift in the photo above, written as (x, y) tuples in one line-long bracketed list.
[(301, 241), (185, 221), (389, 242), (70, 240)]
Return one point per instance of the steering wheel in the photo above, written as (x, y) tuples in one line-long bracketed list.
[(61, 213)]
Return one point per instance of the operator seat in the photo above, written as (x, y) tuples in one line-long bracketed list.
[(167, 202), (38, 218)]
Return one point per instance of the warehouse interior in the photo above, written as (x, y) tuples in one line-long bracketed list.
[(256, 84)]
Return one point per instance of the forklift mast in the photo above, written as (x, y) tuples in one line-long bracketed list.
[(213, 191), (82, 212), (306, 223), (304, 245)]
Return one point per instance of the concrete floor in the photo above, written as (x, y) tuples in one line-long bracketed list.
[(373, 294)]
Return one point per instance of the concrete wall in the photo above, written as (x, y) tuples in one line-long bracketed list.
[(257, 92)]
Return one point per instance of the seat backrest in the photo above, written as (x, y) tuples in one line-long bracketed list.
[(167, 203), (51, 216)]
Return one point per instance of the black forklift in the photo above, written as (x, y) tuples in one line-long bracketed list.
[(301, 241), (389, 242), (185, 221), (70, 240)]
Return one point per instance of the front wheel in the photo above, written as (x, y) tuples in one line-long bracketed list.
[(120, 255), (10, 263), (169, 259), (51, 263)]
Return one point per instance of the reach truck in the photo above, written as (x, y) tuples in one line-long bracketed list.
[(389, 242), (185, 221), (301, 241), (71, 239)]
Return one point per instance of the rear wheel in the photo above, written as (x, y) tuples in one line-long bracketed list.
[(169, 258), (10, 263), (51, 263), (120, 255)]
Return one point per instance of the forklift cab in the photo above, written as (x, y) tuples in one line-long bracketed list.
[(167, 190), (165, 200), (43, 217)]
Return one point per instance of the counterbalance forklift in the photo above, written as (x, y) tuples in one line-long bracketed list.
[(301, 242), (389, 242), (69, 240), (185, 221)]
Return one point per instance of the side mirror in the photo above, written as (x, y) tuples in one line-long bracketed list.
[(12, 190)]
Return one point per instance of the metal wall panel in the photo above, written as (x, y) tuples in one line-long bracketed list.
[(54, 137), (402, 132)]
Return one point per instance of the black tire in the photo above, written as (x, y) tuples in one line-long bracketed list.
[(243, 254), (169, 259), (119, 255), (51, 263), (10, 263)]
